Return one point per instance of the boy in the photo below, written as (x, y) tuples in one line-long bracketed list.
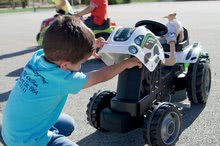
[(32, 116), (175, 31), (99, 13), (46, 24), (63, 7)]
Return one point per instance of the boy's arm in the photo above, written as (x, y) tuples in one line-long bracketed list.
[(181, 36), (110, 71), (172, 48), (172, 59), (85, 11), (99, 44)]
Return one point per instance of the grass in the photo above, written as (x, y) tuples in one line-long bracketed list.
[(10, 10)]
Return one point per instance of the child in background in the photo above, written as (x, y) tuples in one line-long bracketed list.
[(32, 116), (99, 13), (174, 35), (63, 7)]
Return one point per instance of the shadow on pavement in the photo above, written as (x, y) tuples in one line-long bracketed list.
[(190, 113), (15, 73), (1, 139), (133, 138), (27, 50), (4, 96)]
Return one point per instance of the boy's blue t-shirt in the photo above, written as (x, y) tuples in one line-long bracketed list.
[(37, 100)]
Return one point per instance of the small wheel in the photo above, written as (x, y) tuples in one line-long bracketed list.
[(97, 103), (198, 81), (38, 37), (163, 125)]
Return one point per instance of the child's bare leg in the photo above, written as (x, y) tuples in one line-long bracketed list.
[(172, 59)]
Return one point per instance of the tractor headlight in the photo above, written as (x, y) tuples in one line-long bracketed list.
[(133, 50), (138, 40)]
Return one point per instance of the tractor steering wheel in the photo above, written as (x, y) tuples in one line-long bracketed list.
[(157, 28)]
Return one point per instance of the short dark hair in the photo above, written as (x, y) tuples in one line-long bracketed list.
[(68, 39)]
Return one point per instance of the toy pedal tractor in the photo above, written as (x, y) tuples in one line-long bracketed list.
[(142, 98)]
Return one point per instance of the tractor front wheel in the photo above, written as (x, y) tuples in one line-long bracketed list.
[(97, 103), (162, 124)]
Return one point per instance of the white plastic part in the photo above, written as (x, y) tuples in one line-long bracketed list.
[(140, 42), (190, 54)]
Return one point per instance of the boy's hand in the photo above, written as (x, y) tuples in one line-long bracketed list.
[(100, 42), (96, 55), (132, 62)]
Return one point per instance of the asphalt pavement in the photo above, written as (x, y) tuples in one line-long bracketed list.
[(200, 122)]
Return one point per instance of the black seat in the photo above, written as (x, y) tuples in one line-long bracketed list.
[(157, 28), (104, 26), (179, 46)]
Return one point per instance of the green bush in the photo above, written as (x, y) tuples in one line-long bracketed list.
[(127, 1), (85, 2), (110, 2)]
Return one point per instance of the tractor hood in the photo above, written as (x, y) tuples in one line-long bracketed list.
[(139, 42)]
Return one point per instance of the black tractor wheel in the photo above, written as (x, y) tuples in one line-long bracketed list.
[(198, 81), (162, 124), (97, 103)]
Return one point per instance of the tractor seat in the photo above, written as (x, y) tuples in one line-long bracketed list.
[(180, 45), (104, 26)]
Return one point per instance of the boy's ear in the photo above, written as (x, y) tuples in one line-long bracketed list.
[(64, 64)]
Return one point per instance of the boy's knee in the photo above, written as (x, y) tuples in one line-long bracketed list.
[(65, 125), (70, 127)]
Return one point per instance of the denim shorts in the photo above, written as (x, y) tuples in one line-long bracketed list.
[(64, 127)]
